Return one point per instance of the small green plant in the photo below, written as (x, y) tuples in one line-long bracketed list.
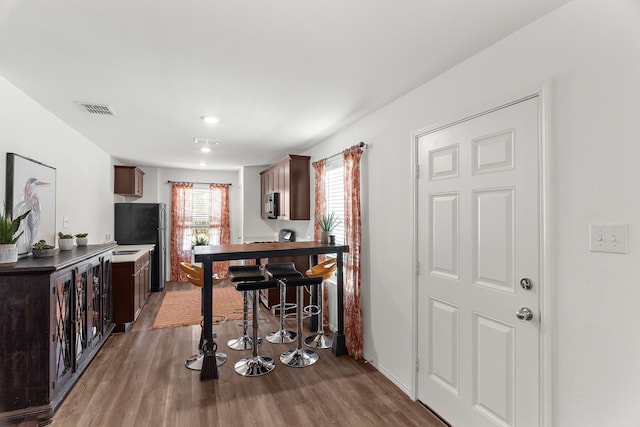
[(328, 222), (82, 234), (61, 235), (201, 241), (9, 227), (42, 245)]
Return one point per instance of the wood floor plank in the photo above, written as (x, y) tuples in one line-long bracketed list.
[(139, 379)]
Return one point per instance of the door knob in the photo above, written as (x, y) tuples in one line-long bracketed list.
[(524, 313), (526, 283)]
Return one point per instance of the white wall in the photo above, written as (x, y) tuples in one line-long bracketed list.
[(588, 55), (254, 227), (84, 189)]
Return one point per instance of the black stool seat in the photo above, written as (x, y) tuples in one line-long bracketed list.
[(279, 270), (241, 273), (252, 286)]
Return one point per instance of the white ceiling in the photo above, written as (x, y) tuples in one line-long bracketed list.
[(281, 75)]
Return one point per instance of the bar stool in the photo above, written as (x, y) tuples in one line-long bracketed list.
[(299, 357), (324, 270), (245, 273), (195, 274), (282, 270), (255, 365)]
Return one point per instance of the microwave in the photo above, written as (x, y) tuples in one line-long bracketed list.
[(271, 205)]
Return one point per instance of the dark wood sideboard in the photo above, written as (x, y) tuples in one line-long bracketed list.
[(55, 314)]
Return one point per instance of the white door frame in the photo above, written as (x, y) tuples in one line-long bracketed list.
[(541, 92)]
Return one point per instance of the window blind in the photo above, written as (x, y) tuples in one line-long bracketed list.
[(334, 188)]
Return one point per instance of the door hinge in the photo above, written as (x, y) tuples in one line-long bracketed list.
[(417, 171), (417, 267), (417, 364)]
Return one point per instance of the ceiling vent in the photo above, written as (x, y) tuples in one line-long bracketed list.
[(100, 109)]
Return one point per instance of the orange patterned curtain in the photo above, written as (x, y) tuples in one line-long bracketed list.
[(352, 279), (320, 204), (181, 204), (219, 224), (320, 209)]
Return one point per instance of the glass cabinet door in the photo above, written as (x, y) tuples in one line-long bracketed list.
[(62, 343), (81, 309), (94, 319), (106, 294)]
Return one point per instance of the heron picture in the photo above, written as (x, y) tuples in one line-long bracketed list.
[(30, 186)]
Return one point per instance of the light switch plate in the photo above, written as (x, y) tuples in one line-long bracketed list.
[(608, 238)]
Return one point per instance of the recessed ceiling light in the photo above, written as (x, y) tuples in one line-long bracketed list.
[(205, 149), (203, 164), (210, 120)]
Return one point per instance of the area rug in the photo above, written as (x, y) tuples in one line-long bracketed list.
[(182, 308)]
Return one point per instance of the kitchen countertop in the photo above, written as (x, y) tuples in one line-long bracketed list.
[(140, 249)]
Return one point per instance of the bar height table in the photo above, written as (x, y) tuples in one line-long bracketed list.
[(207, 255)]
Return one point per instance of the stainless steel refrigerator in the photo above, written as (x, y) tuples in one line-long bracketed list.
[(144, 224)]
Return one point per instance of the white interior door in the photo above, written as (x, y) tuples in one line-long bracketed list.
[(479, 249)]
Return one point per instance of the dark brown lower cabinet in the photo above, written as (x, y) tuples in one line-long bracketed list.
[(131, 289), (55, 314)]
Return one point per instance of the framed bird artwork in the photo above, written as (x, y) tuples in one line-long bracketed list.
[(31, 185)]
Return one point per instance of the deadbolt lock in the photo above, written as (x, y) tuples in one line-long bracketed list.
[(526, 283)]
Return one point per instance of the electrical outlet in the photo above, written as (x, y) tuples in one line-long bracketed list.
[(608, 238), (107, 237), (65, 222)]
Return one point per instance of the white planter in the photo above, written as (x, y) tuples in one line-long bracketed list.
[(65, 244), (8, 255), (324, 236), (82, 241)]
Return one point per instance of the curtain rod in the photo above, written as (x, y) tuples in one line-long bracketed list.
[(192, 182), (363, 146)]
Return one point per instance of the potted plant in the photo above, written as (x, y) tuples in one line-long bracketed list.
[(81, 239), (42, 249), (327, 223), (201, 241), (65, 241), (8, 238)]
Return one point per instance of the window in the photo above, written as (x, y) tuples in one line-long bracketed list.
[(201, 229), (334, 194)]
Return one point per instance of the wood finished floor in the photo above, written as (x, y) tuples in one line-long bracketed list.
[(139, 379)]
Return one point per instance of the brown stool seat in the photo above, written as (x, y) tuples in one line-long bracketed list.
[(325, 269)]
